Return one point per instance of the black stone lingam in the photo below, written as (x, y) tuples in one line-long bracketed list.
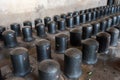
[(16, 27), (89, 49), (114, 36), (75, 13), (40, 30), (27, 23), (15, 78), (98, 14), (10, 39), (72, 63), (49, 70), (76, 19), (106, 11), (63, 16), (93, 15), (96, 28), (88, 16), (104, 41), (87, 31), (81, 11), (114, 20), (102, 12), (56, 18), (1, 77), (110, 2), (27, 34), (103, 25), (70, 14), (75, 37), (109, 23), (52, 27), (43, 49), (37, 21), (69, 22), (112, 10), (118, 27), (61, 43), (20, 61), (61, 24), (86, 10), (46, 20), (2, 29), (83, 18), (118, 19)]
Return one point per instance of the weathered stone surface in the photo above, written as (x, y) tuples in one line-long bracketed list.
[(20, 10)]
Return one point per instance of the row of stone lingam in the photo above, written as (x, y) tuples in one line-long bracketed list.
[(70, 20), (48, 68), (68, 23)]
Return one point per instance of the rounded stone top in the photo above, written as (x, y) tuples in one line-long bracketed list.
[(109, 19), (73, 53), (87, 26), (61, 36), (40, 24), (69, 17), (118, 27), (8, 32), (113, 30), (26, 27), (56, 17), (63, 16), (16, 78), (115, 17), (103, 21), (61, 20), (49, 66), (75, 16), (19, 51), (47, 18), (15, 25), (76, 31), (76, 13), (90, 42), (103, 34), (27, 22), (37, 20), (51, 22), (43, 42), (70, 13), (95, 23), (2, 28)]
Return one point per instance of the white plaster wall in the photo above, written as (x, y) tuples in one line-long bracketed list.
[(20, 6), (20, 10)]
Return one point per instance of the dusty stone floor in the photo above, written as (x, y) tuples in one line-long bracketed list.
[(107, 67)]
